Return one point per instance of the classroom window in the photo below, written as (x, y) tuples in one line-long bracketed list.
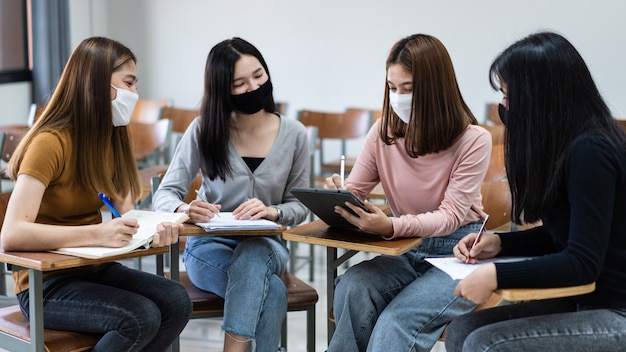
[(14, 41)]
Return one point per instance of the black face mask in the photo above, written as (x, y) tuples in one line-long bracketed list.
[(252, 102), (504, 114)]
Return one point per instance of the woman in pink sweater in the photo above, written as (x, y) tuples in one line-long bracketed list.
[(430, 157)]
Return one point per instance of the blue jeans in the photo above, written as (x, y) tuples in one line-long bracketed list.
[(134, 310), (246, 272), (398, 303), (547, 325)]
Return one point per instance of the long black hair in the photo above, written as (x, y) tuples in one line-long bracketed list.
[(217, 107), (551, 99)]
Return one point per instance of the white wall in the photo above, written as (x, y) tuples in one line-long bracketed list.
[(329, 54)]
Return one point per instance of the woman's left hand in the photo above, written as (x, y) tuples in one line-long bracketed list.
[(167, 234), (478, 286), (252, 209), (373, 221)]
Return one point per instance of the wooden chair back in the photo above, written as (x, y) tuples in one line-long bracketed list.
[(196, 183), (149, 110), (376, 115), (342, 127), (496, 197), (181, 118), (621, 123), (12, 137), (497, 133), (493, 117), (149, 140), (496, 171), (354, 123)]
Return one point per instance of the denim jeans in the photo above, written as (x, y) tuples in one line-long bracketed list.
[(398, 303), (135, 310), (246, 272), (547, 325)]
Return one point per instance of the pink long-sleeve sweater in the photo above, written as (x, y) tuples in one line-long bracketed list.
[(431, 195)]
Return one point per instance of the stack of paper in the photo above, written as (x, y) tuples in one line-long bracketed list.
[(226, 221)]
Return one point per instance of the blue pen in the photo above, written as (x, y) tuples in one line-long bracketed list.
[(107, 202)]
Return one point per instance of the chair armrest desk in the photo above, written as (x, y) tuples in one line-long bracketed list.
[(317, 232), (37, 263)]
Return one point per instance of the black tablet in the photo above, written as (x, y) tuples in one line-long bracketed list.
[(322, 203)]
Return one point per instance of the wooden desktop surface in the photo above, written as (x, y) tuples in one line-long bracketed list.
[(528, 294), (317, 232), (46, 261)]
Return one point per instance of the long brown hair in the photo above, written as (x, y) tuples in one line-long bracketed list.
[(439, 114), (81, 105)]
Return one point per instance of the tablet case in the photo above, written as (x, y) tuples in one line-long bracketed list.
[(322, 203)]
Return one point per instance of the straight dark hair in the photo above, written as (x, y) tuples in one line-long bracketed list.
[(439, 114), (217, 107), (551, 99)]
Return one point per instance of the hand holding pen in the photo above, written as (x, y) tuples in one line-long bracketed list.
[(109, 205), (337, 181), (202, 210), (462, 252)]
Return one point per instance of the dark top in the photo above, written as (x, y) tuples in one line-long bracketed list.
[(584, 237)]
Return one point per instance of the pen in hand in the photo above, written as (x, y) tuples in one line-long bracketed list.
[(342, 169), (206, 201), (480, 232), (107, 202)]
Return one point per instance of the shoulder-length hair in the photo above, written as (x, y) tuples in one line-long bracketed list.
[(217, 106), (439, 114), (551, 99), (81, 105)]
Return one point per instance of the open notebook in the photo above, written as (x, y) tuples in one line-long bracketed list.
[(148, 222), (226, 221), (459, 270)]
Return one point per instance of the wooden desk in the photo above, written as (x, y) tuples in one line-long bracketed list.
[(317, 232), (529, 294), (38, 262)]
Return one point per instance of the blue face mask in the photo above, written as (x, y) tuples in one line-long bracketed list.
[(504, 114)]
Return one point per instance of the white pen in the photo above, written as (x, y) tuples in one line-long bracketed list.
[(342, 169), (206, 201)]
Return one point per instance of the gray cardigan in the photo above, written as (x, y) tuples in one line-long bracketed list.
[(286, 166)]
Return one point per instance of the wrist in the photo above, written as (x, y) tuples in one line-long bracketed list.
[(279, 213)]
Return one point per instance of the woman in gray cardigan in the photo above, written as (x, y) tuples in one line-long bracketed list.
[(249, 157)]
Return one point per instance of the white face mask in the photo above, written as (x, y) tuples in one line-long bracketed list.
[(401, 105), (123, 106)]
